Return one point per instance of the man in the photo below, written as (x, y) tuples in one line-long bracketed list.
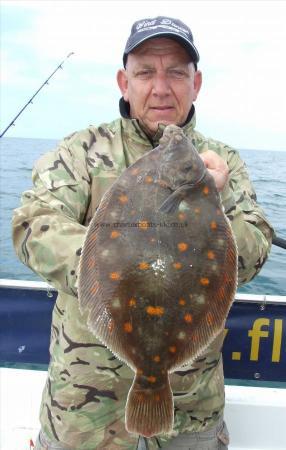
[(83, 403)]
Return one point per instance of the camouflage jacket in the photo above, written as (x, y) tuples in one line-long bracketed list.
[(83, 402)]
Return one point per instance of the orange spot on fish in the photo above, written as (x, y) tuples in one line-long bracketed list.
[(156, 358), (114, 276), (155, 310), (181, 216), (213, 225), (152, 379), (94, 289), (143, 225), (211, 254), (140, 397), (226, 277), (197, 210), (218, 212), (110, 325), (204, 281), (148, 179), (157, 397), (123, 199), (182, 246), (132, 302), (182, 301), (188, 318), (153, 240), (172, 349), (210, 318), (127, 326), (91, 263), (177, 265), (206, 190), (114, 234), (144, 265), (140, 372), (195, 337), (135, 171)]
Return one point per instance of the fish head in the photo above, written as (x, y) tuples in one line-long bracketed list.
[(180, 161)]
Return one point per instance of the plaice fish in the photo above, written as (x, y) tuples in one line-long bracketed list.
[(158, 273)]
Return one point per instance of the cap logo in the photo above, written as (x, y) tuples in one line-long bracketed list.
[(145, 24)]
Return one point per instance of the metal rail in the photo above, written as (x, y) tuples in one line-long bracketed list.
[(42, 286)]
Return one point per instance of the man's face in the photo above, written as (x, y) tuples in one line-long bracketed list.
[(160, 83)]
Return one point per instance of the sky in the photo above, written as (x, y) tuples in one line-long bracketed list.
[(242, 46)]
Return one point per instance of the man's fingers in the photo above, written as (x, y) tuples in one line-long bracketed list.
[(217, 167)]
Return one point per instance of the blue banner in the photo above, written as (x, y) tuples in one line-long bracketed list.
[(255, 342), (254, 347)]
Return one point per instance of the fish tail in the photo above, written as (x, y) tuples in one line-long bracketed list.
[(149, 411)]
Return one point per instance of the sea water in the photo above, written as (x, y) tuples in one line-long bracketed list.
[(267, 171)]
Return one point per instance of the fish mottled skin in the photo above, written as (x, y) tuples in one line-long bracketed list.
[(158, 273)]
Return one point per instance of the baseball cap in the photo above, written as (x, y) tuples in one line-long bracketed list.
[(161, 26)]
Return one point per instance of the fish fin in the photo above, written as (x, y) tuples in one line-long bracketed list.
[(212, 321), (149, 411), (171, 204)]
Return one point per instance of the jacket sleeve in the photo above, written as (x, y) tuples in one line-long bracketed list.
[(47, 229), (252, 230)]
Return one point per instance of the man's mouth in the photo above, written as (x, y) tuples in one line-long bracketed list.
[(165, 112), (161, 108)]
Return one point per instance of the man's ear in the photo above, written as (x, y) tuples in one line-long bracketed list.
[(197, 84), (122, 82)]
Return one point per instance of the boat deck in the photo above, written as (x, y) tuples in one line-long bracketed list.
[(255, 416)]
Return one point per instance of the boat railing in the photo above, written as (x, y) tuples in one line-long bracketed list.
[(239, 297)]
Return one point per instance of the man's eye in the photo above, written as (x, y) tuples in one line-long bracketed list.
[(176, 73), (144, 74)]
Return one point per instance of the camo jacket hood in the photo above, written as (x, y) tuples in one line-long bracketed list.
[(83, 404)]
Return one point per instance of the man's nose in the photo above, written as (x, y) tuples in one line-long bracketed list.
[(161, 85)]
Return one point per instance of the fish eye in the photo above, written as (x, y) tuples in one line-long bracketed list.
[(187, 168)]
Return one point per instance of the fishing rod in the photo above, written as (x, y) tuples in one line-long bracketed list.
[(280, 242), (31, 99)]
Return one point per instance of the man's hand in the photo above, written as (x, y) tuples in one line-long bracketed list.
[(217, 167)]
